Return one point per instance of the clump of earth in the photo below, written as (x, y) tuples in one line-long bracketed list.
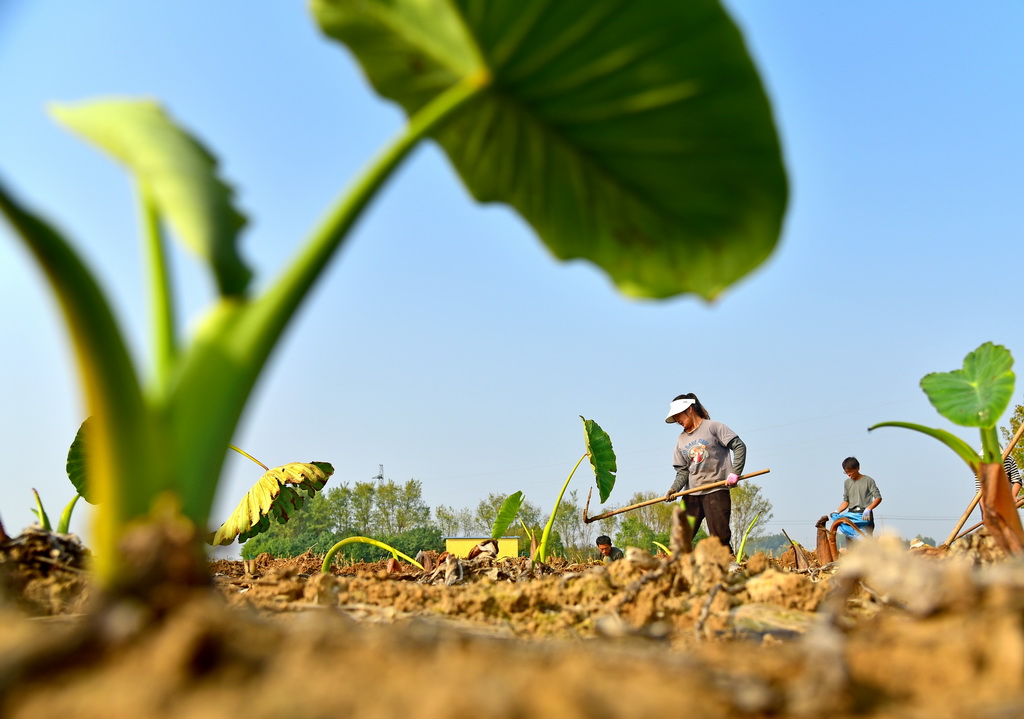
[(882, 632)]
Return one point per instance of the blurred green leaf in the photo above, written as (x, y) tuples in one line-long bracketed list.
[(634, 135), (978, 394), (279, 494), (602, 457), (506, 514), (120, 444), (177, 171)]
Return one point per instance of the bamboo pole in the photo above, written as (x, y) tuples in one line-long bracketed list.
[(668, 498), (1020, 503), (955, 534)]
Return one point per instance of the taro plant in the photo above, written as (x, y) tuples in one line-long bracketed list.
[(64, 523), (75, 467), (976, 396), (602, 461), (746, 533), (329, 557), (507, 514), (635, 135)]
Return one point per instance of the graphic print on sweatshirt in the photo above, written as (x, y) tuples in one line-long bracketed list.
[(697, 450)]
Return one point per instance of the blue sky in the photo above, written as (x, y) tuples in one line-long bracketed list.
[(447, 345)]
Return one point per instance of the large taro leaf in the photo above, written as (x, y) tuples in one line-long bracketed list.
[(978, 394), (506, 514), (602, 457), (178, 173), (76, 462), (636, 135), (278, 495)]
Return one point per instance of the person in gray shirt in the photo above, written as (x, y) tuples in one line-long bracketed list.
[(860, 493)]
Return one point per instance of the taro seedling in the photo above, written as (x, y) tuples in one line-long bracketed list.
[(329, 557), (602, 461), (41, 516), (278, 494), (507, 513), (64, 523), (976, 396), (75, 467), (746, 533), (635, 135)]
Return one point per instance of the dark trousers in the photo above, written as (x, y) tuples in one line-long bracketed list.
[(716, 508)]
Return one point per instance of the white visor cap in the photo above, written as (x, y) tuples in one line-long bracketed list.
[(677, 406)]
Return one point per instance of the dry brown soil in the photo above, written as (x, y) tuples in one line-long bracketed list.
[(884, 632)]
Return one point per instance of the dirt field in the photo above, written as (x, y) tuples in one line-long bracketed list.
[(884, 632)]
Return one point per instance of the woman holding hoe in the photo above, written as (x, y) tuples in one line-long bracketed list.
[(702, 457)]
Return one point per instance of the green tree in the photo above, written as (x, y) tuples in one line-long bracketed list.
[(397, 509), (486, 511), (771, 544), (386, 498), (339, 506), (575, 534), (448, 520), (363, 503), (412, 511), (1015, 421), (634, 532), (656, 516), (608, 525), (311, 528)]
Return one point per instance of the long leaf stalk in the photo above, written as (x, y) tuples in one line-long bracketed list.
[(233, 348), (329, 557), (161, 294), (249, 456), (542, 550), (991, 452)]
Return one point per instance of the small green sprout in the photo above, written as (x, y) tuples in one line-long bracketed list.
[(743, 542)]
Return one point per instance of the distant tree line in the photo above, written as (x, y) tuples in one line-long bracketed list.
[(383, 510), (397, 515)]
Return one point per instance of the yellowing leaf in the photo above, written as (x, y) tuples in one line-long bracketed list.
[(278, 494)]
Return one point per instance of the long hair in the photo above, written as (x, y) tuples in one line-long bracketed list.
[(696, 404)]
